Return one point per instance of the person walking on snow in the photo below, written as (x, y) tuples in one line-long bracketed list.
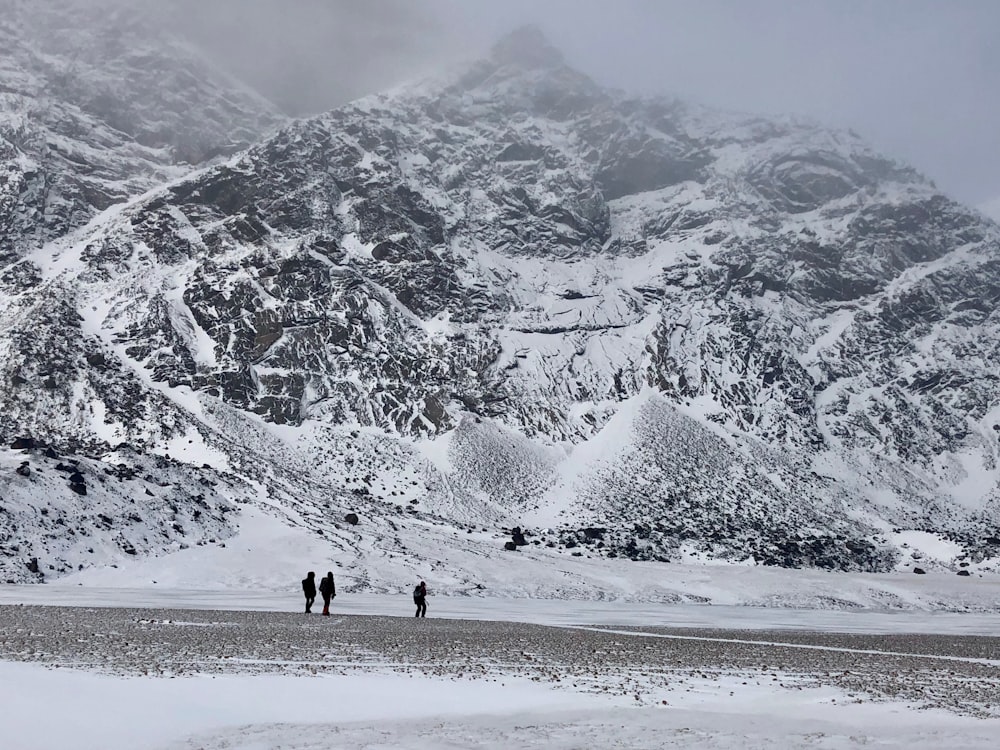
[(328, 590), (420, 599), (309, 589)]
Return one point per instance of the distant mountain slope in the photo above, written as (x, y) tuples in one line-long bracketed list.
[(98, 105), (512, 298)]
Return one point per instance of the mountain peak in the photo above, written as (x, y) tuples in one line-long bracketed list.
[(527, 47)]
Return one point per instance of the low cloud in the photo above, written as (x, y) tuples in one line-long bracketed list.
[(917, 78)]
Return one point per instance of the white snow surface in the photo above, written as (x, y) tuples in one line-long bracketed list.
[(260, 568), (392, 711)]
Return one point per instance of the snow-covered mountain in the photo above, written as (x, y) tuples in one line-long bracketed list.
[(97, 105), (511, 298)]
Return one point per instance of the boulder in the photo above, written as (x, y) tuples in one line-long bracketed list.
[(919, 571), (352, 518), (510, 547), (24, 470)]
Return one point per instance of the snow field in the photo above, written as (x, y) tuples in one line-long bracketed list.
[(261, 568), (377, 711)]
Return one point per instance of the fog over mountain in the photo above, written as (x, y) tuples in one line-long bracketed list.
[(917, 78)]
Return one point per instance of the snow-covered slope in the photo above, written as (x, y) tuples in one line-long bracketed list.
[(97, 105), (510, 298)]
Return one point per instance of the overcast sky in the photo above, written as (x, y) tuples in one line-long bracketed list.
[(919, 79)]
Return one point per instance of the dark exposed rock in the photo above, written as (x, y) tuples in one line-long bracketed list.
[(521, 152)]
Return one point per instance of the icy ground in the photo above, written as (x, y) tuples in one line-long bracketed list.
[(171, 678)]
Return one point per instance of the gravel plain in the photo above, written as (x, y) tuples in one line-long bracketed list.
[(958, 673)]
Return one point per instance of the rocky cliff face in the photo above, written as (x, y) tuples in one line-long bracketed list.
[(512, 297)]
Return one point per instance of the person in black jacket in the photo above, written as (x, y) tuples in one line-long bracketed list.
[(328, 590), (309, 589), (420, 599)]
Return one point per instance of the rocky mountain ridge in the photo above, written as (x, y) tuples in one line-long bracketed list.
[(98, 105), (510, 297)]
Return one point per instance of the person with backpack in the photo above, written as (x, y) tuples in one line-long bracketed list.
[(328, 590), (420, 599), (309, 589)]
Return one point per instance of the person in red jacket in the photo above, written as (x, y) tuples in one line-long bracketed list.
[(328, 590)]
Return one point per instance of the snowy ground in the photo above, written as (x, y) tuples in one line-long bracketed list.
[(268, 558), (224, 659), (122, 678), (98, 712), (852, 619)]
